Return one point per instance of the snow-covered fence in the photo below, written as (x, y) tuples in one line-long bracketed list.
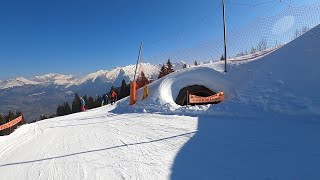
[(258, 35)]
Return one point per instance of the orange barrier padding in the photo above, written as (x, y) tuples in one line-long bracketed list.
[(214, 98), (145, 92), (133, 92), (11, 123)]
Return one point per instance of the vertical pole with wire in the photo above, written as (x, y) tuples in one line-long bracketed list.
[(138, 61), (225, 35), (133, 84)]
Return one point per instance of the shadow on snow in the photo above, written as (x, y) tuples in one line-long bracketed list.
[(251, 148)]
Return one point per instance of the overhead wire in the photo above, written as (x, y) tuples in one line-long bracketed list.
[(283, 1), (252, 5)]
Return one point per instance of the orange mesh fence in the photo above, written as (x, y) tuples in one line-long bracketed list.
[(11, 123), (214, 98)]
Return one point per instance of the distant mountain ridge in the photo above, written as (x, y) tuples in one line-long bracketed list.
[(42, 94), (66, 81)]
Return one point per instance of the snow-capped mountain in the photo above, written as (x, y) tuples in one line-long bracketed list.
[(104, 76), (54, 78), (41, 94), (19, 81)]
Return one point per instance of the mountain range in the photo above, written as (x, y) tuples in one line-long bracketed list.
[(42, 94)]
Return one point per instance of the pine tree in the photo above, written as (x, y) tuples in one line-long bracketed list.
[(90, 103), (10, 116), (60, 111), (163, 72), (142, 80), (195, 63), (76, 104), (169, 67), (124, 89), (85, 98), (97, 102), (1, 120), (18, 114), (67, 109)]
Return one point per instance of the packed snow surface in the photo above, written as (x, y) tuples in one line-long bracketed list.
[(96, 145), (268, 127)]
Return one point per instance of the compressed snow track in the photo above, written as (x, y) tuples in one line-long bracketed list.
[(96, 145)]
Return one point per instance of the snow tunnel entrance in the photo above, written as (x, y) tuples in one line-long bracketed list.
[(198, 90)]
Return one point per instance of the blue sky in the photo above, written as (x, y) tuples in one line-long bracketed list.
[(82, 36)]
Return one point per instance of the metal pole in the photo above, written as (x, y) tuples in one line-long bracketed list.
[(225, 36), (134, 78)]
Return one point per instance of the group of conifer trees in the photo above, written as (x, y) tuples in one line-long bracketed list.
[(166, 69), (65, 108), (7, 118), (122, 91)]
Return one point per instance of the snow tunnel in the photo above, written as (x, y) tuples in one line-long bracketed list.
[(197, 90)]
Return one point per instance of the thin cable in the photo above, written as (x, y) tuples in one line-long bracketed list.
[(252, 5), (266, 2), (269, 9), (289, 5)]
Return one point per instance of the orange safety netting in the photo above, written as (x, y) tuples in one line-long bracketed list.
[(11, 123), (214, 98)]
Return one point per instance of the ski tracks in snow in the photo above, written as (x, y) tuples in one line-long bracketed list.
[(96, 145)]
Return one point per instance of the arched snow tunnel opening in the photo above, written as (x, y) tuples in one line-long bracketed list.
[(198, 90)]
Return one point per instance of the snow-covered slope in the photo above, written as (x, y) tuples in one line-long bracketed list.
[(267, 127)]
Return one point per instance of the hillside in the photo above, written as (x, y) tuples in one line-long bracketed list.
[(267, 127)]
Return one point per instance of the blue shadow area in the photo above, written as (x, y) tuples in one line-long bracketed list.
[(250, 149)]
